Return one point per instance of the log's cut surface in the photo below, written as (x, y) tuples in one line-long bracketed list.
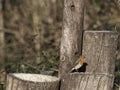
[(99, 49), (22, 81), (89, 81)]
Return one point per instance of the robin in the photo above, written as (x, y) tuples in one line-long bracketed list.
[(79, 64)]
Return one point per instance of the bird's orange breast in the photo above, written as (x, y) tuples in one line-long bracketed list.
[(82, 59)]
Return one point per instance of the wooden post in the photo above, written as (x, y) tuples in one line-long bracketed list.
[(71, 41), (99, 49), (89, 81), (20, 81), (2, 70)]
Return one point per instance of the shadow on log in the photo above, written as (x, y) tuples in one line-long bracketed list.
[(20, 81)]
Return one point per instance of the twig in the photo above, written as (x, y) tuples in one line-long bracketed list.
[(32, 66), (117, 85)]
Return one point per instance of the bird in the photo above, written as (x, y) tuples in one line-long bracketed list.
[(83, 67), (80, 65)]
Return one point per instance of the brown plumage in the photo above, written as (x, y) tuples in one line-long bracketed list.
[(78, 63)]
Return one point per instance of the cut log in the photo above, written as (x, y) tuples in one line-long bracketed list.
[(21, 81), (47, 73), (79, 81), (99, 49), (71, 41)]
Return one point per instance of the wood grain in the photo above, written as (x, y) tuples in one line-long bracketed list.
[(71, 41), (99, 49), (2, 45), (31, 82), (83, 81)]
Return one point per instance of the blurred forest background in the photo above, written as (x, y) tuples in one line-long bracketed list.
[(30, 33)]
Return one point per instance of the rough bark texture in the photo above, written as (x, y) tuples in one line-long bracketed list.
[(99, 49), (87, 82), (31, 82), (1, 33), (2, 73), (71, 41)]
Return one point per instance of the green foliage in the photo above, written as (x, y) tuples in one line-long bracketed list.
[(48, 62), (118, 47), (2, 87), (30, 17), (117, 75), (16, 2)]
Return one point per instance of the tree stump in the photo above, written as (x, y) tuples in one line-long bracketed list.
[(79, 81), (99, 49), (47, 73), (21, 81)]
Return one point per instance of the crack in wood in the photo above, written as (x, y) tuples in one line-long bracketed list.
[(86, 83), (99, 82), (101, 47), (79, 82), (12, 81), (72, 7), (17, 85)]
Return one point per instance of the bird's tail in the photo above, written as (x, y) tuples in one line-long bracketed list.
[(73, 70)]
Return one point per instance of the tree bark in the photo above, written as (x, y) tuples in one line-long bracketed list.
[(88, 81), (31, 82), (99, 49), (1, 33), (71, 41), (2, 70)]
